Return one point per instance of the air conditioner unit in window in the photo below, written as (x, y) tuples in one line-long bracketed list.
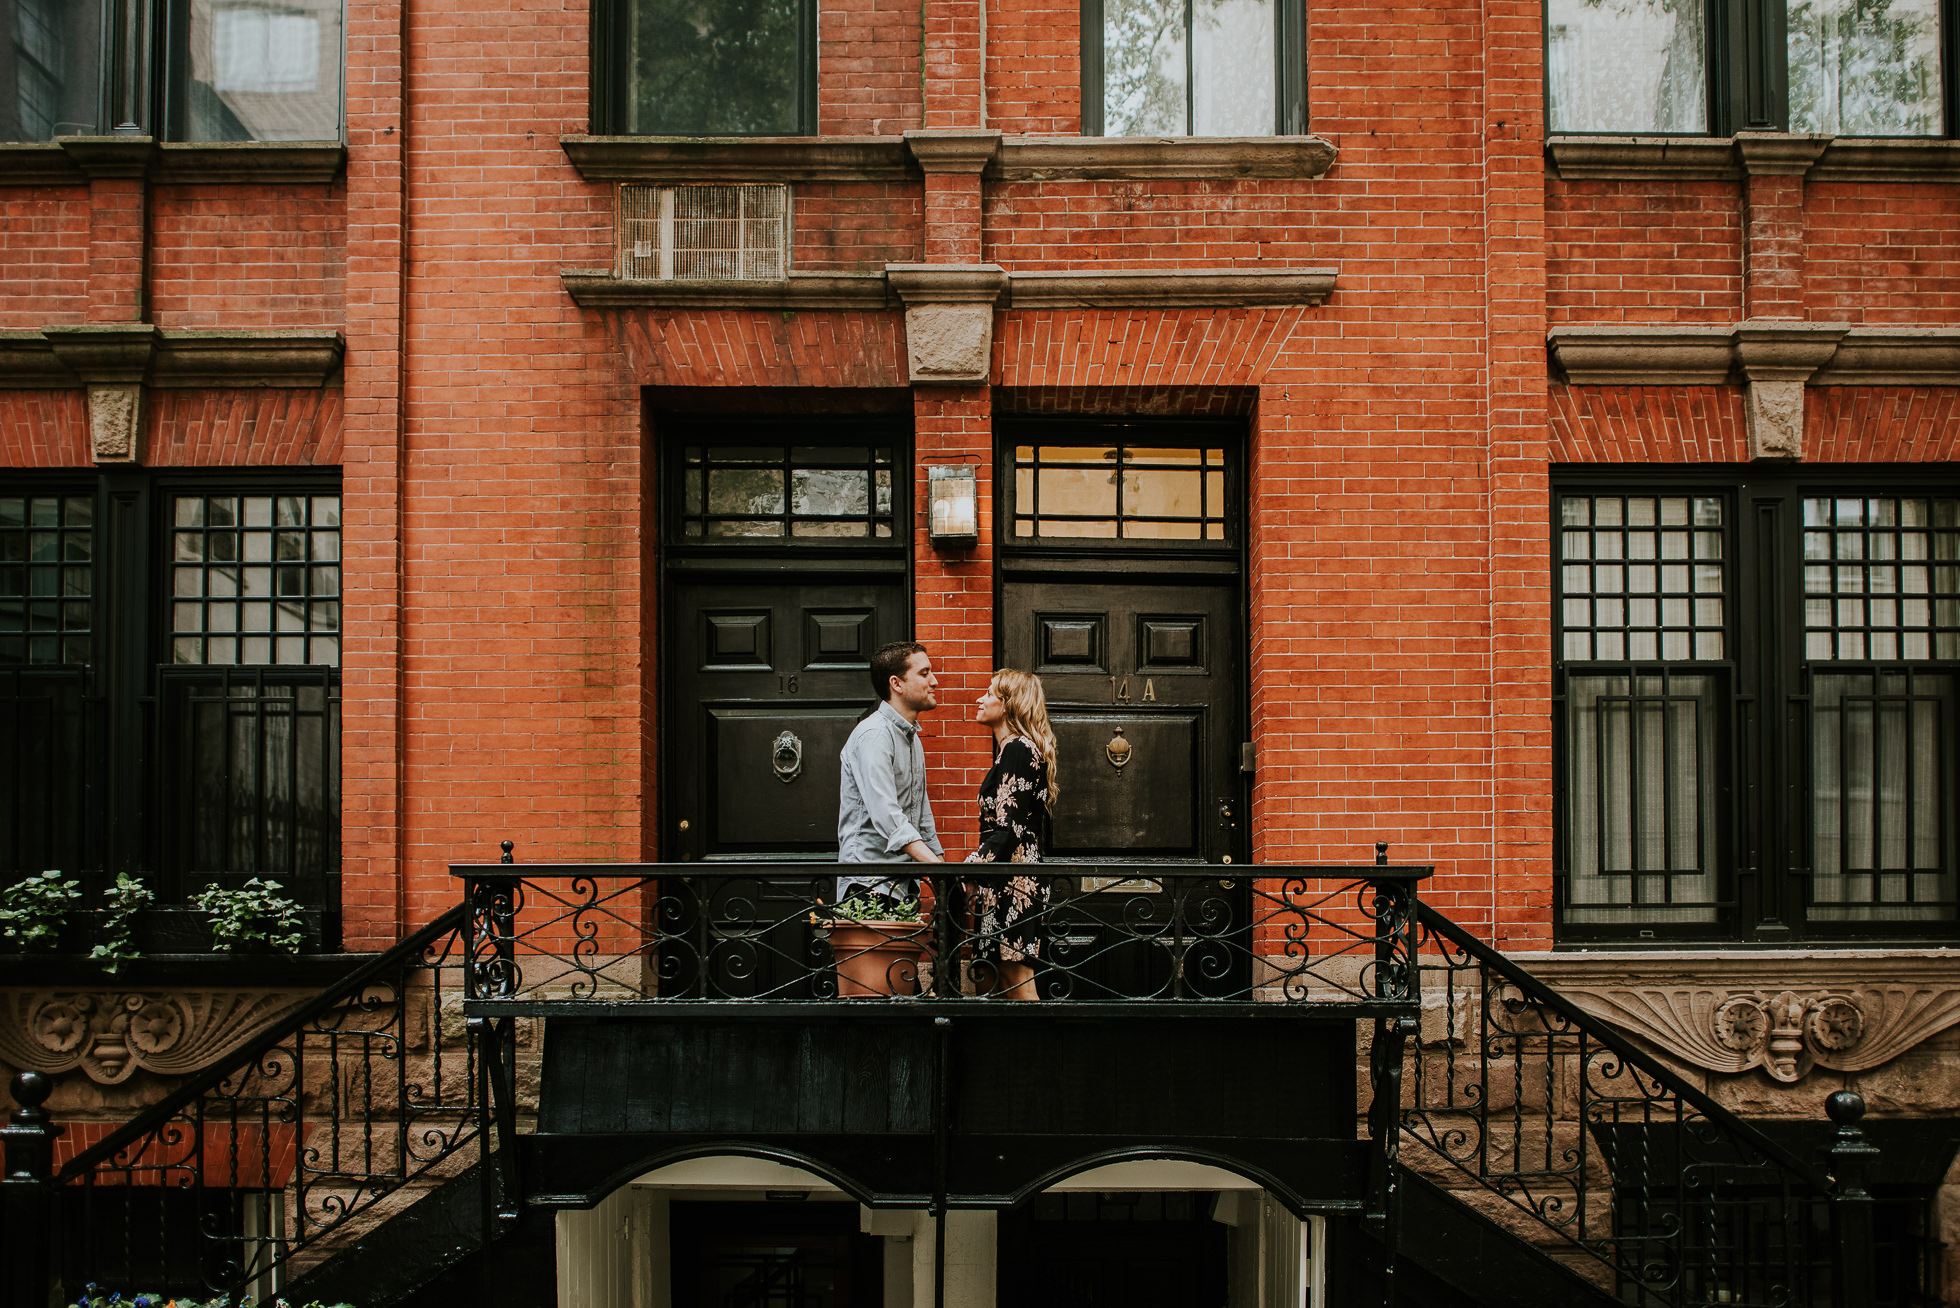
[(704, 233)]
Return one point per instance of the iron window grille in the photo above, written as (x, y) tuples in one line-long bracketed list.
[(190, 733), (1758, 696), (720, 68), (703, 233), (1193, 68), (1829, 67), (183, 70)]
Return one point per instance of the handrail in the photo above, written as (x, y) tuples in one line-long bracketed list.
[(1603, 1033), (258, 1046)]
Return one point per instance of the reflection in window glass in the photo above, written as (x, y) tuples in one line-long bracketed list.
[(1188, 68), (255, 580), (714, 67), (54, 48), (769, 492), (1865, 67), (47, 551), (1626, 66), (262, 72)]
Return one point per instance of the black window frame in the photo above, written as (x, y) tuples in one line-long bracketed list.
[(1289, 69), (1747, 81), (1762, 788), (610, 84), (133, 793), (145, 70), (1012, 431)]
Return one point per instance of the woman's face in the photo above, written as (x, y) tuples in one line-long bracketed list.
[(991, 709)]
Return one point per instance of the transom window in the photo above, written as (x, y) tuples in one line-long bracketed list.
[(786, 492), (1119, 492), (1192, 68), (1759, 694), (1832, 67)]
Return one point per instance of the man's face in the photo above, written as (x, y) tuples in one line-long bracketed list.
[(912, 693)]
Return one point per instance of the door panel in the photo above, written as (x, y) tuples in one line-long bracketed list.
[(1144, 688), (767, 679)]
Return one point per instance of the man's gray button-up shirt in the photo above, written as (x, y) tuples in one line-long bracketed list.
[(882, 805)]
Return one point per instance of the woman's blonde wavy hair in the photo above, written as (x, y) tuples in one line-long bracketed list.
[(1026, 705)]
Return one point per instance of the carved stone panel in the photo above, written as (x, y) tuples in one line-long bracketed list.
[(110, 1034)]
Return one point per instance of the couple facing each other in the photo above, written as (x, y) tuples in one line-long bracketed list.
[(883, 815)]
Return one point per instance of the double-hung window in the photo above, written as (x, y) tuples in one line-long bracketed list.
[(183, 70), (1193, 68), (1830, 67), (1758, 693), (169, 680), (704, 67)]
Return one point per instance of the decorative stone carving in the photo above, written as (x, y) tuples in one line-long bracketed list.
[(111, 1034), (949, 319), (115, 414), (1778, 358), (1842, 1014)]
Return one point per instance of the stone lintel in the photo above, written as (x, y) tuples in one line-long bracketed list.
[(1888, 159), (596, 288), (1769, 350), (947, 283), (1894, 356), (1643, 158), (1078, 158), (953, 150), (106, 352), (138, 353), (1685, 355), (1778, 154), (1170, 288), (740, 158)]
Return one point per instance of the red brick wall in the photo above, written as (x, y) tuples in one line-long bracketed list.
[(868, 67), (855, 226), (1643, 252), (1034, 67), (43, 256), (1882, 254), (43, 429), (248, 256)]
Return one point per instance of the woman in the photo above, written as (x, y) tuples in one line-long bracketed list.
[(1015, 799)]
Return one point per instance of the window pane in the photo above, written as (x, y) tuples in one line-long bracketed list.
[(1865, 538), (1882, 797), (1144, 68), (292, 529), (1865, 68), (1641, 772), (713, 67), (38, 535), (1626, 66), (1674, 613), (1232, 68), (57, 61), (264, 72)]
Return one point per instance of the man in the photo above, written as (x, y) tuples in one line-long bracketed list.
[(883, 815)]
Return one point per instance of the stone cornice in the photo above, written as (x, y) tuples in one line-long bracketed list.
[(1169, 288), (101, 354), (1078, 158), (1783, 1011), (740, 158), (953, 151), (1823, 354), (1149, 288), (74, 160), (1702, 158)]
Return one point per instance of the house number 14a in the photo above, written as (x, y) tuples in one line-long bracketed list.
[(1119, 692)]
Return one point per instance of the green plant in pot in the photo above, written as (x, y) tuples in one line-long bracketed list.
[(878, 948), (33, 911), (255, 916)]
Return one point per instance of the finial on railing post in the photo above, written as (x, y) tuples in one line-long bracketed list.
[(27, 1194), (1381, 853), (1852, 1158), (508, 846)]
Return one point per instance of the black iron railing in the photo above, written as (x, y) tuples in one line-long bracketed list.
[(545, 938), (1600, 1151), (284, 1150)]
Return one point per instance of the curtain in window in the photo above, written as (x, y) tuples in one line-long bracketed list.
[(1641, 777), (1865, 67), (1626, 65), (1881, 795)]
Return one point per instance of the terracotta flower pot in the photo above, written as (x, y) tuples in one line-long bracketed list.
[(877, 959)]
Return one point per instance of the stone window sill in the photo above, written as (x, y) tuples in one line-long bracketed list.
[(1705, 158), (896, 159), (65, 357), (1645, 355), (73, 160), (1150, 288)]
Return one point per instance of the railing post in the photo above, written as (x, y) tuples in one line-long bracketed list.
[(1852, 1158), (28, 1206), (1383, 1213)]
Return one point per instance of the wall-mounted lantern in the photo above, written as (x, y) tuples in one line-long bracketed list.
[(953, 497)]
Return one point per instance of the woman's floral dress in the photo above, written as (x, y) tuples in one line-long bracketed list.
[(1012, 804)]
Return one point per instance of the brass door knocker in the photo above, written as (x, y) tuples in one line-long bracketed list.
[(786, 757), (1117, 751)]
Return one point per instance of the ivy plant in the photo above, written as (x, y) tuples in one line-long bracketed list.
[(121, 902), (32, 911), (256, 913)]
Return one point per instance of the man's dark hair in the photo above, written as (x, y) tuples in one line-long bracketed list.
[(891, 661)]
